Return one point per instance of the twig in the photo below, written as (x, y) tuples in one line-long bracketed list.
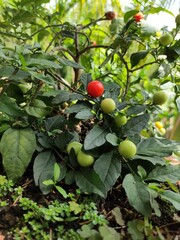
[(138, 68)]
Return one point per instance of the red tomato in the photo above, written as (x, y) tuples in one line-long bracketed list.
[(95, 88), (138, 16)]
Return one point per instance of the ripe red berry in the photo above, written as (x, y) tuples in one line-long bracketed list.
[(95, 88), (110, 15), (138, 16)]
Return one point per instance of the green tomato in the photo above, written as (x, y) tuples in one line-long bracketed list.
[(160, 98), (108, 105), (120, 120), (166, 39), (177, 153), (127, 149), (75, 145), (177, 19), (84, 159)]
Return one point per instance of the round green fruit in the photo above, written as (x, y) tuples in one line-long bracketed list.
[(160, 98), (177, 153), (177, 19), (127, 149), (108, 105), (75, 145), (84, 159), (162, 131), (120, 120), (166, 39)]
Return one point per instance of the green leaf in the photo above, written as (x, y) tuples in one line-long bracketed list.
[(129, 14), (79, 106), (136, 109), (44, 63), (61, 191), (95, 138), (156, 147), (3, 180), (84, 114), (67, 34), (153, 159), (63, 139), (63, 96), (164, 173), (48, 182), (108, 168), (109, 233), (116, 212), (75, 207), (154, 204), (89, 182), (112, 139), (135, 228), (138, 194), (8, 105), (87, 233), (154, 10), (70, 63), (137, 57), (57, 172), (44, 78), (135, 124), (176, 47), (17, 147), (55, 122), (43, 169), (172, 197), (37, 109)]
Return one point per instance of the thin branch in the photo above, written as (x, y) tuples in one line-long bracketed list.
[(90, 47), (41, 29), (138, 68), (93, 22), (63, 49), (127, 77)]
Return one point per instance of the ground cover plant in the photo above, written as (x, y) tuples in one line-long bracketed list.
[(88, 124)]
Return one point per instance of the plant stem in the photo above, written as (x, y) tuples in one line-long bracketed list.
[(76, 70), (146, 64)]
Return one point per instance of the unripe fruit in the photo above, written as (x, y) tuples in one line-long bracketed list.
[(84, 159), (177, 19), (110, 15), (120, 120), (159, 124), (108, 105), (95, 88), (177, 153), (75, 145), (138, 16), (166, 39), (160, 98), (162, 131), (127, 149)]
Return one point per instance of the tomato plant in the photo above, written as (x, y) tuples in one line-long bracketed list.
[(49, 101)]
